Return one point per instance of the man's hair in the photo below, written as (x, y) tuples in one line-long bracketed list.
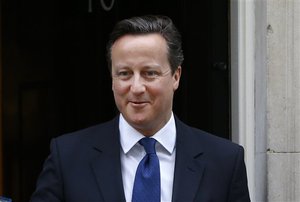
[(148, 24)]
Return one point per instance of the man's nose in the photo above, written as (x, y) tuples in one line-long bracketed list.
[(137, 84)]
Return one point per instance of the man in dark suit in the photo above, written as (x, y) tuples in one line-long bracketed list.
[(112, 161)]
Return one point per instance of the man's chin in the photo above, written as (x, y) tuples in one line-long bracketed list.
[(138, 120)]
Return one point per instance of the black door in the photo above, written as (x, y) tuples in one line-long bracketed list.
[(55, 77)]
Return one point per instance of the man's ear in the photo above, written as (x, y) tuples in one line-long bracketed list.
[(176, 77)]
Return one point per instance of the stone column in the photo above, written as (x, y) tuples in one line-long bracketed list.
[(283, 100)]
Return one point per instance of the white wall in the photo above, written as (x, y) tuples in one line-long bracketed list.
[(265, 70), (283, 100)]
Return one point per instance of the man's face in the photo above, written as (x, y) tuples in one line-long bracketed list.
[(142, 82)]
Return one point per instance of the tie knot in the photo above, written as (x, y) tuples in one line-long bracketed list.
[(149, 145)]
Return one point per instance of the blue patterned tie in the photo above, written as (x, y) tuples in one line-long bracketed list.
[(146, 186)]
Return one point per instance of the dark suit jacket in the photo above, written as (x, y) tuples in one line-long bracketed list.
[(85, 166)]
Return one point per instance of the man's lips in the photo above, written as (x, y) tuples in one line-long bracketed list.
[(138, 103)]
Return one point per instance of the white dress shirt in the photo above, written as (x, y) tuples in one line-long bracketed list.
[(132, 153)]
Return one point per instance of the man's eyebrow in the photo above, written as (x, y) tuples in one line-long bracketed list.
[(150, 66)]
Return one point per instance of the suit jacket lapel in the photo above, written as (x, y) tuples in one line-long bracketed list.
[(107, 166), (189, 168)]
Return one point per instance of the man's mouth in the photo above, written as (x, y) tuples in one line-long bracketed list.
[(138, 103)]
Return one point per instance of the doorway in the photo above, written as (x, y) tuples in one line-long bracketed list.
[(55, 77)]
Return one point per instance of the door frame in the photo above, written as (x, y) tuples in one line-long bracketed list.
[(242, 80), (248, 88)]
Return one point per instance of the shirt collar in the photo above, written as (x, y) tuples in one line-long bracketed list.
[(129, 136)]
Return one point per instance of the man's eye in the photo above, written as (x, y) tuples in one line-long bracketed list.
[(151, 74), (124, 74)]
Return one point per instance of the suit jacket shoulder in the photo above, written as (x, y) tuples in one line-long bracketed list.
[(208, 168), (83, 166)]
